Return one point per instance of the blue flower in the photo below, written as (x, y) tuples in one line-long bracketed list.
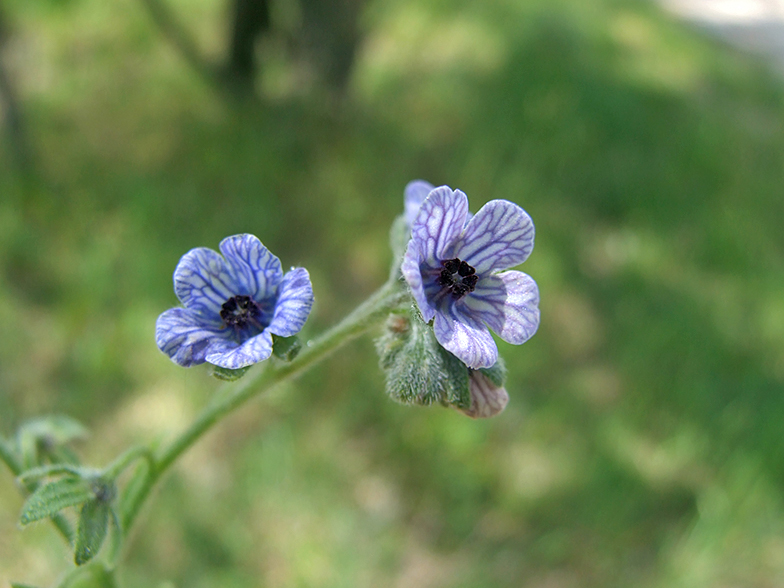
[(452, 267), (233, 305)]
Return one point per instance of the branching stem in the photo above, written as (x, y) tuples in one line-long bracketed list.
[(262, 379)]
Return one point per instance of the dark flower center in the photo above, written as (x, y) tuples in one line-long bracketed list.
[(240, 311), (458, 277)]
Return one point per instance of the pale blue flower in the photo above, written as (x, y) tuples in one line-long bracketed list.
[(452, 267), (232, 305)]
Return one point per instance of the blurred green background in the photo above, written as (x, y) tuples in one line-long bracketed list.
[(644, 441)]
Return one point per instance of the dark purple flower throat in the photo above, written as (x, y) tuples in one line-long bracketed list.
[(240, 311), (458, 277)]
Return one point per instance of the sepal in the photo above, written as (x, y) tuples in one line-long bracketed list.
[(227, 375), (286, 348), (418, 370), (497, 373)]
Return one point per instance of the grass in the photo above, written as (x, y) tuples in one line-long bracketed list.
[(642, 445)]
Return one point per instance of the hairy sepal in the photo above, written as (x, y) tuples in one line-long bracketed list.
[(418, 370)]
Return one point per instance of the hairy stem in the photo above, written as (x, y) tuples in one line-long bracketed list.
[(233, 395)]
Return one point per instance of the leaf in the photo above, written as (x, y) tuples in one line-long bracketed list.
[(46, 471), (91, 531), (51, 498), (17, 585)]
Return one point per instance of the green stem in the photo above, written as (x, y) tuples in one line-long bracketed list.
[(233, 395), (115, 468)]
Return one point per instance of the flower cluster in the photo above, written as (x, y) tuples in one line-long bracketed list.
[(232, 305), (454, 266)]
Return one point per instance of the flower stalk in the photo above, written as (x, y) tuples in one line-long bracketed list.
[(263, 378)]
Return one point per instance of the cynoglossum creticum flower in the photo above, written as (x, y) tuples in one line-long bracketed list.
[(233, 304), (453, 267)]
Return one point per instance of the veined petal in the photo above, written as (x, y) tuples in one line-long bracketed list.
[(508, 302), (185, 337), (410, 268), (415, 195), (465, 338), (203, 281), (439, 224), (500, 236), (256, 272), (295, 299), (233, 356), (487, 399)]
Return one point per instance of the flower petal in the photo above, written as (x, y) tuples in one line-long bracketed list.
[(256, 272), (415, 195), (500, 236), (186, 337), (487, 399), (203, 281), (231, 355), (413, 275), (508, 302), (295, 299), (465, 338), (439, 224)]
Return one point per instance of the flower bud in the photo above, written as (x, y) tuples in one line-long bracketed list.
[(487, 398)]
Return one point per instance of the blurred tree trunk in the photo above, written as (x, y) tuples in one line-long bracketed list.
[(180, 38), (331, 35), (251, 18), (11, 112)]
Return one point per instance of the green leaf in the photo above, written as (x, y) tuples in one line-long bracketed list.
[(51, 498), (17, 585), (91, 531), (228, 375), (286, 348), (46, 471)]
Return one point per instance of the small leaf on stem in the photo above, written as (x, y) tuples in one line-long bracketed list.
[(91, 531), (53, 497)]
